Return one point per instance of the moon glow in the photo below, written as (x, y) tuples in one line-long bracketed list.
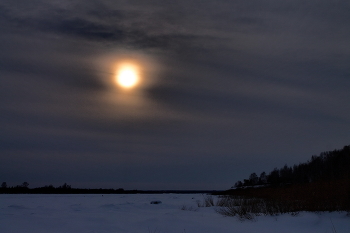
[(127, 76)]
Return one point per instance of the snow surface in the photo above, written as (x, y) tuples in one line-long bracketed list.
[(135, 213)]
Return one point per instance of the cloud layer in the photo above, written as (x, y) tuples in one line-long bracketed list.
[(234, 87)]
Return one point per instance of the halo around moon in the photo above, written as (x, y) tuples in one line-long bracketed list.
[(128, 72)]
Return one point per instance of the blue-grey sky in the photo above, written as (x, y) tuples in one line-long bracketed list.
[(228, 88)]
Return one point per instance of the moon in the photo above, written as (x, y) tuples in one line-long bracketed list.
[(127, 76)]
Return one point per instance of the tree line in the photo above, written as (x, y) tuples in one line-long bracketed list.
[(50, 189), (320, 184), (330, 165), (67, 189)]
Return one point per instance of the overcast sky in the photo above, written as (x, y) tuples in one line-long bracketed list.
[(230, 87)]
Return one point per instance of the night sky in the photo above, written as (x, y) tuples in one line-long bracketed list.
[(226, 88)]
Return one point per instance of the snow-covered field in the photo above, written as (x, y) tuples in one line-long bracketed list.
[(134, 213)]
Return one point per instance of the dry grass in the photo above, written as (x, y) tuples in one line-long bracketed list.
[(249, 208), (314, 197), (208, 201)]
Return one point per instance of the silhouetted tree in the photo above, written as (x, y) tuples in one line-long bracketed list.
[(4, 185), (286, 174), (253, 178), (246, 182), (238, 184), (274, 176), (263, 178), (25, 185), (65, 186)]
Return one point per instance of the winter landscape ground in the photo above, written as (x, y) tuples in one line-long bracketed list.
[(177, 213)]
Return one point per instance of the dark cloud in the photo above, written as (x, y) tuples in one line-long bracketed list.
[(91, 24)]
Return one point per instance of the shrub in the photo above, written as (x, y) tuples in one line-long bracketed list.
[(318, 196)]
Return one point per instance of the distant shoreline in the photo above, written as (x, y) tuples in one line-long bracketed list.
[(103, 191)]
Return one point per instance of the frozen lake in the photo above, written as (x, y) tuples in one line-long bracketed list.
[(133, 213)]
